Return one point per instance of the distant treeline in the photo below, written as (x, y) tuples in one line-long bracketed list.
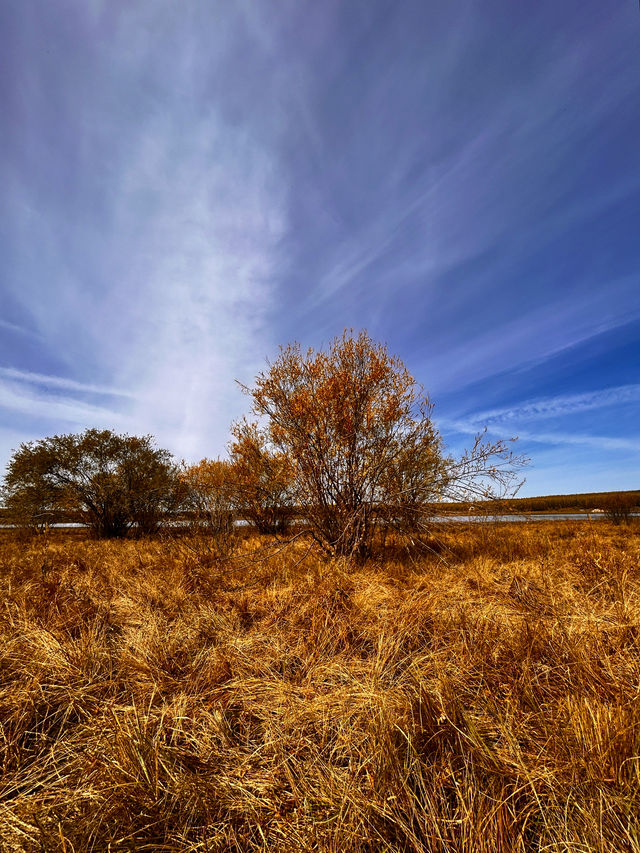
[(549, 503)]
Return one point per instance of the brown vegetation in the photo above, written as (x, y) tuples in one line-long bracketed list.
[(262, 480), (353, 430), (585, 502), (482, 696), (107, 481)]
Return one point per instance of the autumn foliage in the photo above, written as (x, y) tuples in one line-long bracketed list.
[(341, 441), (209, 495), (262, 479), (110, 482), (356, 432)]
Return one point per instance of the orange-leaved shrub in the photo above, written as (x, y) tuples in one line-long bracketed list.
[(354, 428), (262, 479)]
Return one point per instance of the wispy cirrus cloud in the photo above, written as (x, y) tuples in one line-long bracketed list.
[(163, 244), (525, 419), (572, 439), (464, 170), (554, 407), (16, 328), (20, 399), (55, 382), (546, 437)]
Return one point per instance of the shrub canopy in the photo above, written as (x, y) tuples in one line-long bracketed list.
[(356, 432), (108, 481)]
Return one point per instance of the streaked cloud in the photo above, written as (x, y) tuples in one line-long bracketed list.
[(544, 437), (60, 382), (69, 411), (597, 442), (524, 420), (553, 407)]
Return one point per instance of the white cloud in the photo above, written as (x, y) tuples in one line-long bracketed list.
[(530, 338), (48, 381), (597, 442), (162, 288), (15, 327), (552, 407), (148, 209), (513, 418), (17, 399), (200, 287)]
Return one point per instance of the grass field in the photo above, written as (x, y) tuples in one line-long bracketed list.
[(481, 696)]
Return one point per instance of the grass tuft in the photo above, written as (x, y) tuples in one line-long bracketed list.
[(481, 696)]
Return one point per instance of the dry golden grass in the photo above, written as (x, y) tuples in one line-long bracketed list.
[(484, 696)]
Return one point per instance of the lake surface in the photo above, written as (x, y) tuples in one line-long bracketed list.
[(439, 519)]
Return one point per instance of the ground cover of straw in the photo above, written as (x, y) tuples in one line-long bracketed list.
[(482, 696)]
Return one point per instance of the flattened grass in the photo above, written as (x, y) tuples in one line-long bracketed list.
[(482, 696)]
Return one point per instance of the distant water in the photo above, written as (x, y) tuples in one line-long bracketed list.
[(495, 519)]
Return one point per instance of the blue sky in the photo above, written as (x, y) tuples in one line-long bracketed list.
[(185, 186)]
